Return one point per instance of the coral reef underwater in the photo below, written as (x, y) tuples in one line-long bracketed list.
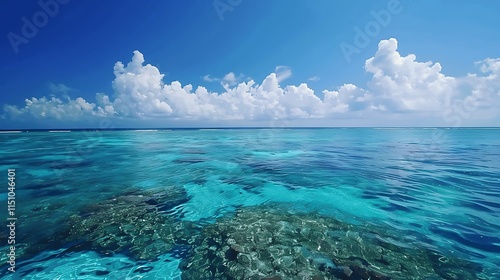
[(134, 223), (268, 241)]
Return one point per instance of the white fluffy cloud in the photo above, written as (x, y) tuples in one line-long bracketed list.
[(54, 108), (399, 84), (405, 84), (231, 79)]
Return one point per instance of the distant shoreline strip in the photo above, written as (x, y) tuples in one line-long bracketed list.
[(242, 128)]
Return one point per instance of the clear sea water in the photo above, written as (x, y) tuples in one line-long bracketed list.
[(441, 184)]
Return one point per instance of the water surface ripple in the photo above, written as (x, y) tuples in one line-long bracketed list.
[(441, 186)]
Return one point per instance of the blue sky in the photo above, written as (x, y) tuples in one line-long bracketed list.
[(72, 56)]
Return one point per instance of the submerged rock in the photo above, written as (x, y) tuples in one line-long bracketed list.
[(266, 242), (134, 223)]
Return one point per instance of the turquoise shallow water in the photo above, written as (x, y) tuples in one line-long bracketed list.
[(437, 189)]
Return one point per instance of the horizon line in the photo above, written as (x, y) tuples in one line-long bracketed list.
[(246, 127)]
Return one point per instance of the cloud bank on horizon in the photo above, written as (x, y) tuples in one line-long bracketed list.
[(399, 85)]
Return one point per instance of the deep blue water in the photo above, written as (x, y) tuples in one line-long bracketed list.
[(439, 188)]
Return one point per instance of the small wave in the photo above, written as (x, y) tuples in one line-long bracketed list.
[(59, 131), (146, 130), (11, 131)]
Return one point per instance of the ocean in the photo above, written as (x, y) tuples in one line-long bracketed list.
[(300, 203)]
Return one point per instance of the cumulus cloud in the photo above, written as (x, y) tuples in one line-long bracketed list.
[(399, 84), (485, 86), (232, 80), (314, 79), (404, 84), (54, 108), (348, 98)]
